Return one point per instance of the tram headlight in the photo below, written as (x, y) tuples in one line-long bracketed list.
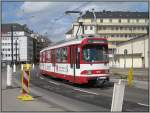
[(86, 72), (106, 71), (89, 72)]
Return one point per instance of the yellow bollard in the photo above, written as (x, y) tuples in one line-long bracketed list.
[(26, 83), (130, 76)]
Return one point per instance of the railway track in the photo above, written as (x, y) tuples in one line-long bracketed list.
[(98, 96)]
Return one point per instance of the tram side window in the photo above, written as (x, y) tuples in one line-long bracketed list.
[(58, 55), (46, 53), (43, 57), (48, 56), (64, 55), (78, 58), (53, 57)]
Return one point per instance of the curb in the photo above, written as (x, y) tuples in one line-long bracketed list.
[(138, 84)]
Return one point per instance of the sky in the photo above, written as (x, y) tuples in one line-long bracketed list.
[(49, 18)]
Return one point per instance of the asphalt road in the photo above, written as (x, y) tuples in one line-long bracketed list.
[(73, 97), (135, 99)]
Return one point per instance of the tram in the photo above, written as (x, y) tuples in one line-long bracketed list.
[(82, 60)]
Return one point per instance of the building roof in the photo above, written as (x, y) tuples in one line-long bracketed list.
[(116, 14), (16, 27), (69, 32)]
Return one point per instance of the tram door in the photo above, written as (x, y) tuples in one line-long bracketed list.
[(74, 60), (53, 60)]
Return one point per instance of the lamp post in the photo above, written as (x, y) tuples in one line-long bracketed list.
[(125, 54), (10, 65), (16, 50), (12, 58), (132, 47), (80, 23)]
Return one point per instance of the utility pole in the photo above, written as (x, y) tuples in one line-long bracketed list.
[(95, 23), (16, 51), (12, 59), (10, 64)]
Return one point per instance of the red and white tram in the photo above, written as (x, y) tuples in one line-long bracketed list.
[(83, 60)]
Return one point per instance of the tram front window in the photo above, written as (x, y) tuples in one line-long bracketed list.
[(95, 53)]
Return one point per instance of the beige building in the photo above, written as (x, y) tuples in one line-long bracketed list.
[(115, 26), (132, 52)]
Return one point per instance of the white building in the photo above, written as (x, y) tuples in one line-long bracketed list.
[(116, 26), (69, 34), (136, 53), (23, 51)]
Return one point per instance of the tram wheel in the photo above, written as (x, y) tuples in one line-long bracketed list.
[(100, 83)]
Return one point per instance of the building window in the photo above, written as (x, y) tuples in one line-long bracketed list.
[(110, 20), (91, 27), (138, 28), (119, 20), (112, 28), (125, 35), (121, 28), (101, 20), (143, 28), (117, 28), (104, 28), (99, 27), (134, 28), (130, 28), (85, 27), (128, 20), (117, 35)]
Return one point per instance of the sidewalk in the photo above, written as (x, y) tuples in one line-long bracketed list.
[(136, 83), (11, 103)]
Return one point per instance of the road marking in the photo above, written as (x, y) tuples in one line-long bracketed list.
[(142, 104), (85, 91), (41, 78), (54, 83)]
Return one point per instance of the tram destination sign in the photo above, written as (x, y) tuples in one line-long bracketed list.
[(97, 41)]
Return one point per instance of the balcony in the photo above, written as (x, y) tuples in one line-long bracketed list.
[(122, 31)]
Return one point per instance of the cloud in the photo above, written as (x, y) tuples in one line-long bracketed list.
[(42, 16), (116, 6), (30, 7)]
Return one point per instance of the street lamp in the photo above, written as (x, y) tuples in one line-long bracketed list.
[(125, 54), (80, 23), (16, 50), (12, 46), (132, 46)]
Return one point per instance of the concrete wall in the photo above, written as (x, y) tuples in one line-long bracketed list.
[(139, 47)]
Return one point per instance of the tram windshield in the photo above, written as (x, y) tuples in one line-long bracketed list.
[(95, 53)]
